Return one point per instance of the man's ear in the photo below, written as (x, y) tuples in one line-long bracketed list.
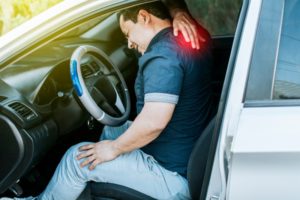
[(144, 16)]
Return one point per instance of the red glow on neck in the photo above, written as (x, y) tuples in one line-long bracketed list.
[(204, 43), (183, 43)]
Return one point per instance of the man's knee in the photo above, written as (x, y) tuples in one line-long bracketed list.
[(71, 154), (71, 165)]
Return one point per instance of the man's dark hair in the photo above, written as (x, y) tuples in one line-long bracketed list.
[(157, 9)]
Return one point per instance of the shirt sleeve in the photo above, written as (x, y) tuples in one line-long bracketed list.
[(163, 77)]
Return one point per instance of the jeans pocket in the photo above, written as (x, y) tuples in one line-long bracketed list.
[(147, 164)]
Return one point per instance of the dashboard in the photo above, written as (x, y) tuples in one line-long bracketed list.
[(38, 103)]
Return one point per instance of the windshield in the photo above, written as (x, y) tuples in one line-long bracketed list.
[(15, 12)]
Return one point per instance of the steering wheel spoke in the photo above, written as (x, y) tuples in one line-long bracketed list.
[(118, 103)]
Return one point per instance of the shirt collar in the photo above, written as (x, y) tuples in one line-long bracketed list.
[(158, 37)]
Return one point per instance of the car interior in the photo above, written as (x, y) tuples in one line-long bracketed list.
[(41, 115)]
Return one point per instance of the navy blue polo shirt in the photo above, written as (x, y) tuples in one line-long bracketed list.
[(171, 71)]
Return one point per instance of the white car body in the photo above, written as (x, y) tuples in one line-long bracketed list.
[(258, 155)]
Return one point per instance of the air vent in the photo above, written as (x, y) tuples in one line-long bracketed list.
[(2, 98), (95, 66), (86, 71), (23, 111)]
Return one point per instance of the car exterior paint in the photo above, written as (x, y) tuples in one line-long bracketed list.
[(259, 143)]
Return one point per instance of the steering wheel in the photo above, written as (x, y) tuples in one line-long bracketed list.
[(102, 94)]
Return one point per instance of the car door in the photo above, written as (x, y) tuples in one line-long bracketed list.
[(259, 144)]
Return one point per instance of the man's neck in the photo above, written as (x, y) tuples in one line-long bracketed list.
[(157, 26), (160, 25)]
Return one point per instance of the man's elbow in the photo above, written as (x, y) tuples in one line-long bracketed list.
[(159, 126), (158, 115), (156, 125)]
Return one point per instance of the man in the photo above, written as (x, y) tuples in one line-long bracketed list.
[(173, 99)]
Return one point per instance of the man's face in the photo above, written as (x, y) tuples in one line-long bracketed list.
[(137, 34)]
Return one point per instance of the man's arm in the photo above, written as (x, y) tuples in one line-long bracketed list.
[(175, 5), (183, 22), (147, 126)]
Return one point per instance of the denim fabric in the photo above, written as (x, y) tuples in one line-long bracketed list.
[(135, 169)]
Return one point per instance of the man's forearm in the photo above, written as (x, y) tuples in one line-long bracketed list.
[(145, 128), (139, 134), (175, 5)]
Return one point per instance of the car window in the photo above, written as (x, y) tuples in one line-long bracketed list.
[(287, 77), (218, 16), (80, 30), (41, 61), (275, 65), (15, 12), (264, 52)]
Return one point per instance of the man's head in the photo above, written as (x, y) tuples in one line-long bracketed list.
[(140, 24)]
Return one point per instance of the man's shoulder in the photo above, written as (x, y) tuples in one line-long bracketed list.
[(165, 49), (173, 48), (160, 56), (178, 47)]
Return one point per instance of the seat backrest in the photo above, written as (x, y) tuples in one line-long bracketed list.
[(198, 160)]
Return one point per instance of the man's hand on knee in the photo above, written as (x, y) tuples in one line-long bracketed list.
[(96, 153)]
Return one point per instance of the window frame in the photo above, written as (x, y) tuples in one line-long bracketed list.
[(258, 93)]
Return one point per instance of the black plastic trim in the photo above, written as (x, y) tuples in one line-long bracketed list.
[(10, 135), (17, 118)]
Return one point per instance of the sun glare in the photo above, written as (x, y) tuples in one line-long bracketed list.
[(16, 12)]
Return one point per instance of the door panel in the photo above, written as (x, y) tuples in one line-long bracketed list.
[(265, 155)]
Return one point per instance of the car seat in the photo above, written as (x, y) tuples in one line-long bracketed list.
[(195, 173)]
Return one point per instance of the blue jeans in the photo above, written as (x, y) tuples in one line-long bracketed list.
[(136, 170)]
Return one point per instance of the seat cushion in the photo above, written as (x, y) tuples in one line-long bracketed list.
[(114, 191)]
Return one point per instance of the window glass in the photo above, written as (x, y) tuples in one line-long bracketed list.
[(265, 50), (287, 77), (218, 16), (42, 60), (15, 12)]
